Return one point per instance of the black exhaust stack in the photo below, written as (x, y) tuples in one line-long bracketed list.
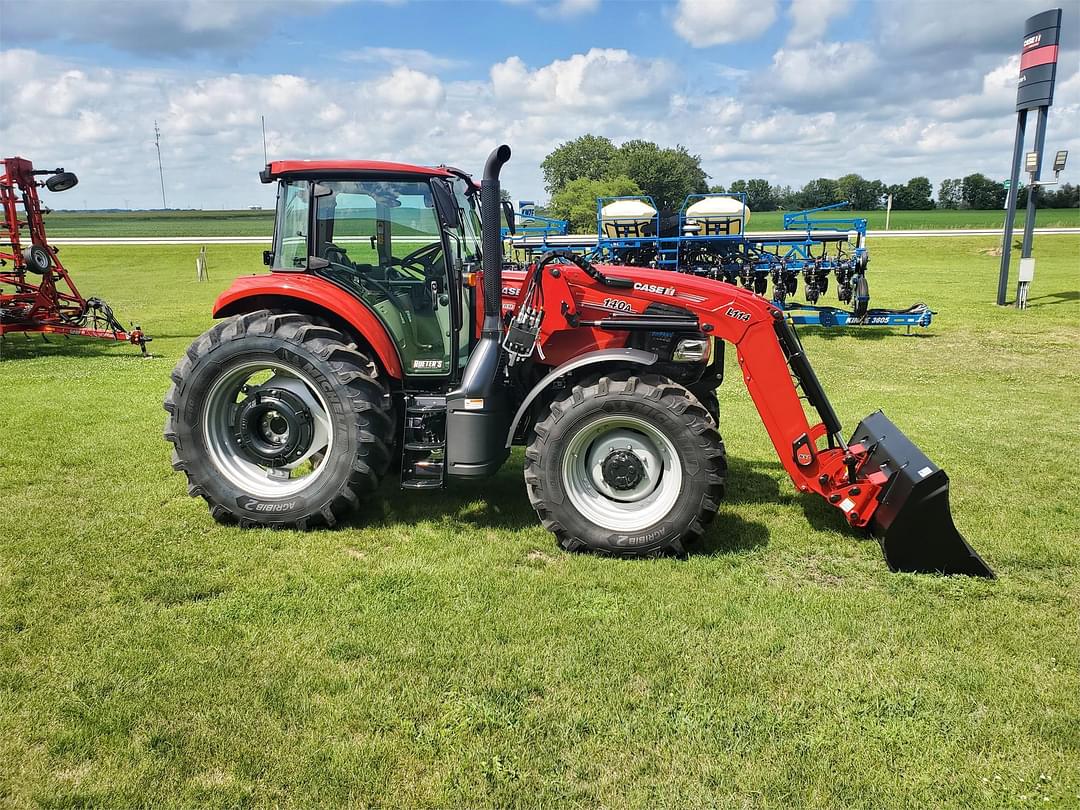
[(477, 412)]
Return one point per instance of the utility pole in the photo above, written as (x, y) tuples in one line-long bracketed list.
[(263, 117), (161, 172)]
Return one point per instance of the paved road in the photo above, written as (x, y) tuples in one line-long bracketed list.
[(263, 240)]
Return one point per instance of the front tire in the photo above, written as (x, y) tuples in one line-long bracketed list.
[(631, 467), (277, 421)]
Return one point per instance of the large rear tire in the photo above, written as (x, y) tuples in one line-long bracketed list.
[(630, 467), (277, 421)]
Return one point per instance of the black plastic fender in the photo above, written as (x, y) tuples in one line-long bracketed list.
[(600, 356)]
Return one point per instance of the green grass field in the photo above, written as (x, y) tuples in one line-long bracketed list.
[(439, 651), (261, 223)]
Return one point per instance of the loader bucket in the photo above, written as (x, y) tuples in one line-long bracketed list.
[(912, 521)]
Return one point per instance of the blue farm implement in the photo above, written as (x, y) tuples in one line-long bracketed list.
[(708, 237)]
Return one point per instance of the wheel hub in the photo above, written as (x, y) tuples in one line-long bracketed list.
[(622, 470), (273, 426)]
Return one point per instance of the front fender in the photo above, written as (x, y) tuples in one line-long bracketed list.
[(601, 356), (251, 292)]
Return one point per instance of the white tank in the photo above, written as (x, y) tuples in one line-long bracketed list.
[(718, 213), (627, 218)]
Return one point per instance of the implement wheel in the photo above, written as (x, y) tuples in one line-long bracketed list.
[(632, 467), (277, 421)]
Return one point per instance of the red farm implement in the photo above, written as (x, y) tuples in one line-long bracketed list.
[(36, 291)]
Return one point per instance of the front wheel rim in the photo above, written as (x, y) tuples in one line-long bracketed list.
[(279, 479), (633, 503)]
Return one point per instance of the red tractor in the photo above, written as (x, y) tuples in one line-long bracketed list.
[(44, 299), (388, 334)]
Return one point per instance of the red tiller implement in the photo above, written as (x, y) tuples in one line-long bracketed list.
[(44, 299)]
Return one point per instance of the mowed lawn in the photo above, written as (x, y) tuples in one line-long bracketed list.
[(261, 223), (440, 651)]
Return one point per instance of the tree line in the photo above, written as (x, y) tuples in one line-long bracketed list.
[(591, 166)]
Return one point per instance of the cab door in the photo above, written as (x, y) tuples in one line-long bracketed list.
[(382, 239)]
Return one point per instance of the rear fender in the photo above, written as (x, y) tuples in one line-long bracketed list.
[(610, 357), (307, 293)]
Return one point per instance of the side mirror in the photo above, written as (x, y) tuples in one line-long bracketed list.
[(319, 190), (445, 205), (268, 257), (508, 213)]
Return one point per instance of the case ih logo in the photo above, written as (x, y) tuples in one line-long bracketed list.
[(654, 288), (1032, 41)]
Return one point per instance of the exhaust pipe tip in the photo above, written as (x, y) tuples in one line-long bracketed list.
[(499, 155)]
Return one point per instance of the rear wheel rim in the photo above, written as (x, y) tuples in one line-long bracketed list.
[(638, 504), (281, 478)]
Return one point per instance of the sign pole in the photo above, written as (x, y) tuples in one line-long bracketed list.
[(1033, 186), (1010, 207)]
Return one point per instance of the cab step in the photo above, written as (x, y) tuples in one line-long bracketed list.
[(423, 462)]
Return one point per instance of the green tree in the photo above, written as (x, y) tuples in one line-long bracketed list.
[(981, 193), (863, 194), (666, 175), (785, 197), (589, 157), (913, 195), (576, 201), (817, 193), (950, 193)]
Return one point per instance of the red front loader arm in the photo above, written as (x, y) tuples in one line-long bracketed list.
[(878, 479)]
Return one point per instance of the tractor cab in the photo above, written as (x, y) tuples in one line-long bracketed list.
[(397, 237)]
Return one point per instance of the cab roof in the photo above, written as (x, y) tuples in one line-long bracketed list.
[(287, 168)]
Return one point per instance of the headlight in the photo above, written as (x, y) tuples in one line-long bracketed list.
[(691, 350)]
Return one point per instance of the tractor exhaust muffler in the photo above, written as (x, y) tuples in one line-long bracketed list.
[(912, 520), (477, 415)]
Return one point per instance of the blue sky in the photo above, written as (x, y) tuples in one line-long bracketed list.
[(783, 89)]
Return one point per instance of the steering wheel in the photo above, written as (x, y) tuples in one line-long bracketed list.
[(422, 259), (336, 255)]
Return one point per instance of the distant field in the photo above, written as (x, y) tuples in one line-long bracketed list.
[(161, 223), (934, 220), (260, 223)]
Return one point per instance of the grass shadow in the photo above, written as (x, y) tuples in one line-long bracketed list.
[(35, 347), (729, 534), (863, 332), (1064, 297), (498, 502)]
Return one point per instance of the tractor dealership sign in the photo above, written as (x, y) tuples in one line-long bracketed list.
[(1038, 60)]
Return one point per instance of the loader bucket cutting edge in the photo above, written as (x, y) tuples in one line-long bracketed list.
[(913, 521)]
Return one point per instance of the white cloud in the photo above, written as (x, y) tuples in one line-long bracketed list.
[(803, 77), (162, 27), (558, 9), (718, 22), (810, 19), (98, 121), (408, 88), (955, 28), (603, 79), (414, 58), (575, 8)]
